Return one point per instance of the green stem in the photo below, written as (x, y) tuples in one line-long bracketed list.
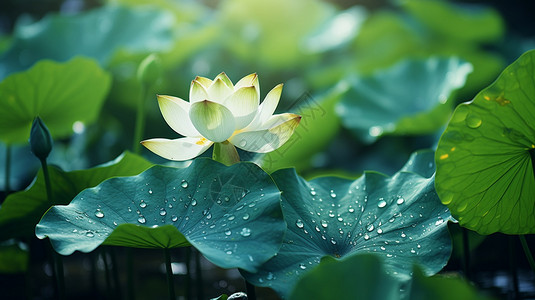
[(251, 292), (466, 253), (140, 119), (48, 186), (60, 274), (188, 274), (525, 247), (107, 276), (60, 279), (7, 183), (225, 153), (130, 274), (198, 272), (169, 269), (513, 267), (115, 273)]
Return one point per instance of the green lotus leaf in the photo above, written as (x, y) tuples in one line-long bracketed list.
[(470, 23), (319, 125), (411, 97), (442, 288), (60, 93), (21, 211), (232, 215), (14, 258), (98, 33), (362, 276), (359, 276), (485, 156), (399, 218)]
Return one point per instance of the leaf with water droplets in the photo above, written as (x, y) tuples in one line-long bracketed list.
[(362, 224), (22, 210), (485, 158), (232, 215), (411, 97)]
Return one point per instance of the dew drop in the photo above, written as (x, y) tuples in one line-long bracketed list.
[(333, 194), (184, 184), (370, 227), (473, 121), (245, 217), (389, 255), (99, 213), (299, 224), (174, 218), (324, 224), (245, 232), (312, 192), (163, 212), (366, 236), (142, 204), (351, 210), (403, 235), (379, 231), (232, 217), (141, 220), (413, 251), (383, 248), (333, 242), (381, 203), (150, 191), (193, 202), (400, 201), (331, 214), (89, 234), (208, 216), (317, 229), (302, 266), (439, 221), (229, 252), (228, 232)]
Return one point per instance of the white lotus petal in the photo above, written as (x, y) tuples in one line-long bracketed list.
[(175, 111), (178, 149), (267, 107), (213, 120), (219, 91), (197, 92), (225, 79), (269, 139), (243, 104), (251, 79), (206, 83)]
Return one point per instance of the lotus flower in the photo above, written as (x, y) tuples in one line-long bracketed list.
[(225, 114)]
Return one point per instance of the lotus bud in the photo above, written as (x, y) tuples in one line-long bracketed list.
[(40, 139)]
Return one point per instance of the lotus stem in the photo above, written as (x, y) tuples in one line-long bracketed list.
[(513, 267), (198, 273), (188, 274), (466, 253), (525, 247), (169, 271), (251, 292)]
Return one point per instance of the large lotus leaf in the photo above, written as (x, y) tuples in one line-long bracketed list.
[(232, 215), (98, 33), (485, 156), (360, 276), (398, 217), (409, 98), (22, 210), (319, 125), (442, 288), (470, 23), (60, 93), (388, 37)]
